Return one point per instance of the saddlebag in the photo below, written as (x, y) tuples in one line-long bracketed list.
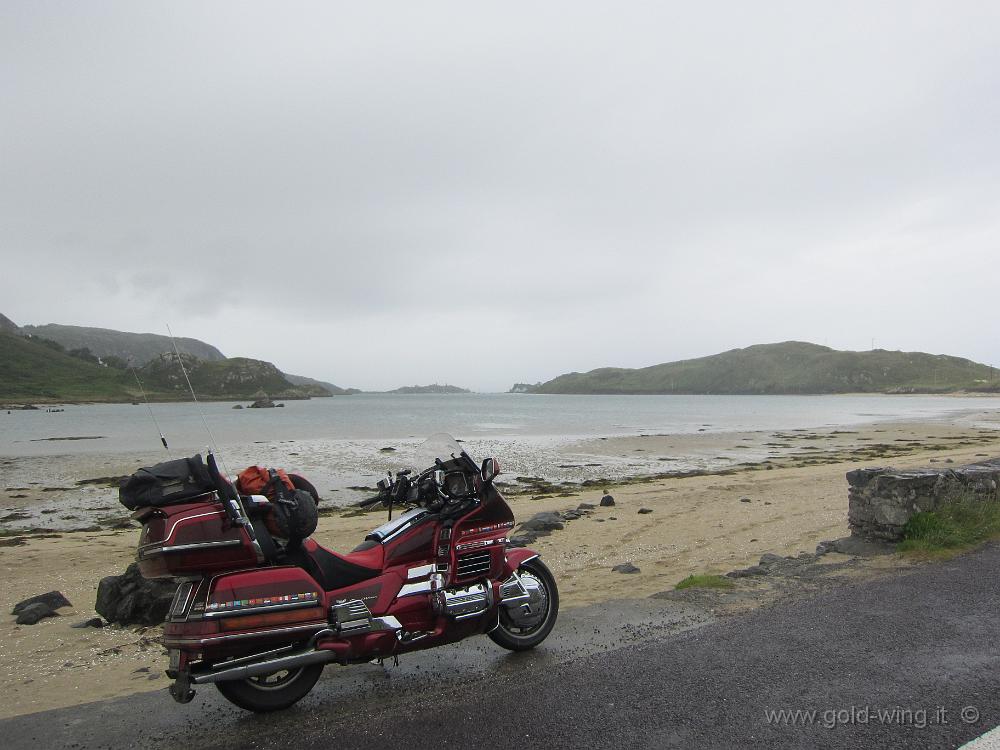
[(166, 483)]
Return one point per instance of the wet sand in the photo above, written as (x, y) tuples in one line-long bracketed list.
[(698, 524)]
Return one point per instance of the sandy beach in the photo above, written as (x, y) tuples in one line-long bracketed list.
[(791, 496)]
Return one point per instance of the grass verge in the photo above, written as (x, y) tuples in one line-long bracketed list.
[(952, 528), (704, 582)]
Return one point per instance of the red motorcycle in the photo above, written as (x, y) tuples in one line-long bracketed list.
[(259, 617)]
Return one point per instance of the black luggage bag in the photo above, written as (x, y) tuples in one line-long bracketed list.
[(166, 483)]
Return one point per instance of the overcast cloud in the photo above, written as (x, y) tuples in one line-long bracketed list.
[(503, 191)]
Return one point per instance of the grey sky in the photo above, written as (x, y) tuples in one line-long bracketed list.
[(504, 191)]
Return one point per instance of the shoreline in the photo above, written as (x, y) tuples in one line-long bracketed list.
[(708, 522), (17, 404)]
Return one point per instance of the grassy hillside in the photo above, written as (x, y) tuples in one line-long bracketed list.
[(104, 342), (791, 367), (237, 377), (30, 371), (335, 390)]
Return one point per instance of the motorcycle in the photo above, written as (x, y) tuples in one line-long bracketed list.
[(259, 617)]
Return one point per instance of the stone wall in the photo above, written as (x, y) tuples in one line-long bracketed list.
[(881, 501)]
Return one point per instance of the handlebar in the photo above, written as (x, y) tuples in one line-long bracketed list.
[(370, 501)]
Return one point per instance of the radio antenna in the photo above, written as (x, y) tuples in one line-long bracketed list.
[(131, 366), (201, 413)]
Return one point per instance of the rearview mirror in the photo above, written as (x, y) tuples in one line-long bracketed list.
[(490, 470)]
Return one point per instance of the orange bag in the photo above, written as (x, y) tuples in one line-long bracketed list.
[(255, 480)]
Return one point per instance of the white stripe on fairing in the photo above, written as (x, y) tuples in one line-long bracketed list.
[(988, 741)]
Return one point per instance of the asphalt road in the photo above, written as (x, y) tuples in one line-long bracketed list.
[(911, 660)]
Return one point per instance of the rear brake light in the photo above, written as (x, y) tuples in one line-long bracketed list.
[(245, 622)]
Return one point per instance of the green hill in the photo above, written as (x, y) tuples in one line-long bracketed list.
[(409, 390), (105, 342), (334, 390), (35, 370), (31, 371), (791, 367)]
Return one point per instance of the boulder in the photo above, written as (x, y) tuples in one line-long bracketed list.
[(543, 522), (607, 501), (93, 622), (625, 568), (644, 511), (585, 506), (130, 599), (262, 403), (35, 612), (52, 599)]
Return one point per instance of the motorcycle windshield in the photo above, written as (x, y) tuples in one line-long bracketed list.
[(440, 445)]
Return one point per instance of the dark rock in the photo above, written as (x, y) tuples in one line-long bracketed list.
[(52, 599), (770, 559), (522, 539), (571, 515), (93, 622), (387, 449), (644, 511), (753, 570), (280, 406), (238, 406), (35, 612), (543, 522), (612, 518), (585, 506), (826, 546), (860, 547), (625, 568), (131, 599), (262, 403), (744, 499), (607, 501)]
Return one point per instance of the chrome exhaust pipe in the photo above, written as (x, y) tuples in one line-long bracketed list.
[(258, 668)]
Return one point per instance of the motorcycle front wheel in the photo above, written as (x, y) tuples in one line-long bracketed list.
[(272, 692), (523, 625)]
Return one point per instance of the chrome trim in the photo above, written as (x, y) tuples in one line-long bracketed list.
[(251, 658), (419, 572), (473, 564), (263, 608), (390, 530), (164, 549), (170, 533), (411, 589), (268, 666), (179, 608), (512, 590), (469, 601), (315, 626)]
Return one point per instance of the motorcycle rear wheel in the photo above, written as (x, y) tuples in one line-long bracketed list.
[(521, 635), (272, 692)]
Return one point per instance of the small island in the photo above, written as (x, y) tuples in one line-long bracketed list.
[(409, 390)]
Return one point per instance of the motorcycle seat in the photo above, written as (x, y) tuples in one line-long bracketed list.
[(334, 571)]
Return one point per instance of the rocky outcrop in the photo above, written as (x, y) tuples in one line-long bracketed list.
[(130, 599), (882, 500)]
